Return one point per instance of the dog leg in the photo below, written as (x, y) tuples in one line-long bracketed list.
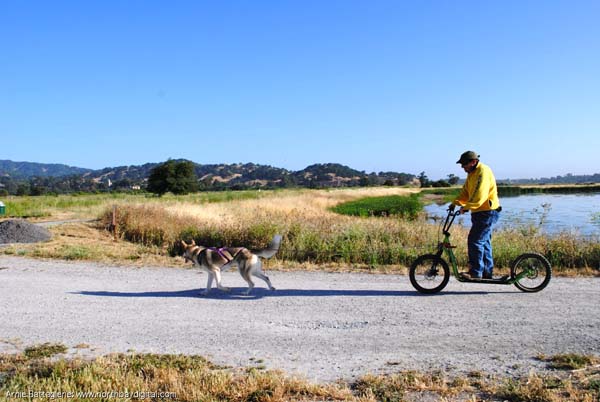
[(244, 269), (209, 282), (218, 278), (258, 272), (261, 275), (250, 286)]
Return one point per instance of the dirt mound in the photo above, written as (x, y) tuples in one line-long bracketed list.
[(21, 231)]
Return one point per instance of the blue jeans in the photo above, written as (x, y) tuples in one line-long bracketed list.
[(480, 243)]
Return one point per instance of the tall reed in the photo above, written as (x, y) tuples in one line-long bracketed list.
[(313, 233)]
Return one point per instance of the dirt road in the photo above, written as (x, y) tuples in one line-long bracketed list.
[(320, 325)]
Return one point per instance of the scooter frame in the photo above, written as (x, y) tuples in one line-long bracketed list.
[(525, 266)]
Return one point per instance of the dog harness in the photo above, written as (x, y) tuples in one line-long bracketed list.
[(220, 251)]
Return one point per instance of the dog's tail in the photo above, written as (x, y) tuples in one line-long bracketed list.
[(272, 249)]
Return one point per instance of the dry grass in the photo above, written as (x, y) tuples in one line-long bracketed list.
[(193, 378), (311, 232), (169, 377), (314, 236), (88, 241), (248, 219), (310, 207)]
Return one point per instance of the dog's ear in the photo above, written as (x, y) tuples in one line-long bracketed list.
[(193, 243), (184, 244)]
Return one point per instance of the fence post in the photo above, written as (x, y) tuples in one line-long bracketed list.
[(114, 223)]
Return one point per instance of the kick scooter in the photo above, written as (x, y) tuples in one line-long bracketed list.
[(429, 273)]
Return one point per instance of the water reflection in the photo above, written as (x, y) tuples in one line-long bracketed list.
[(552, 213)]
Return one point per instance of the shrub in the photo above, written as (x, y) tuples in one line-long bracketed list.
[(312, 233), (402, 206)]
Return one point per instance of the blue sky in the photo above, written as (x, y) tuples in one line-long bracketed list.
[(376, 85)]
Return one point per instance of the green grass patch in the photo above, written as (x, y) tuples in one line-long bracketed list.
[(45, 350), (77, 252), (448, 193), (407, 207), (570, 361), (45, 205)]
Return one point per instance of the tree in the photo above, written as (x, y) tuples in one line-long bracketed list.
[(439, 183), (172, 176), (423, 179), (23, 189), (453, 179)]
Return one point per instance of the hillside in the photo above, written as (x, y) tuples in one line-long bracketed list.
[(25, 170), (37, 178), (566, 179)]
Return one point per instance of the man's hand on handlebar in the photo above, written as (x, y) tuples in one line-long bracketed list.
[(461, 211)]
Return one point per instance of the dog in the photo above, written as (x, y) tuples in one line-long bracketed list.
[(216, 260)]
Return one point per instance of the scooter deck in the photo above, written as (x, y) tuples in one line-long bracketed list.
[(505, 280)]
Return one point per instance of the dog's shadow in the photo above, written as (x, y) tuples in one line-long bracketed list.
[(259, 293)]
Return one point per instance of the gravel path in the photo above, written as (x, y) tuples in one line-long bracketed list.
[(320, 325)]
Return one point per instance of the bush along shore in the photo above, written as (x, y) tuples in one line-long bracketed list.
[(351, 228), (314, 233)]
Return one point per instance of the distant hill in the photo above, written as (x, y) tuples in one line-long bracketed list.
[(328, 174), (134, 174), (25, 170), (566, 179), (38, 178)]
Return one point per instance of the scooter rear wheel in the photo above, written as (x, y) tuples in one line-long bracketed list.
[(538, 271), (429, 274)]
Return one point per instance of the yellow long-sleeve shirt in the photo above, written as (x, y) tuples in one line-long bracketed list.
[(479, 193)]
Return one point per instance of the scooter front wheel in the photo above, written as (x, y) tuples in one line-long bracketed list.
[(429, 273), (536, 269)]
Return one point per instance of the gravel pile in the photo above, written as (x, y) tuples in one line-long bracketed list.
[(21, 231)]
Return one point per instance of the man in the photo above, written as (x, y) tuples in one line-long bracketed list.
[(479, 195)]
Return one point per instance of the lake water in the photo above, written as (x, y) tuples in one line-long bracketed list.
[(553, 213)]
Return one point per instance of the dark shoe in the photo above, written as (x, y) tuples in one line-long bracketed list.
[(469, 275)]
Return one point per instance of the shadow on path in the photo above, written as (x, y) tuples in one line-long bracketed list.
[(259, 293)]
